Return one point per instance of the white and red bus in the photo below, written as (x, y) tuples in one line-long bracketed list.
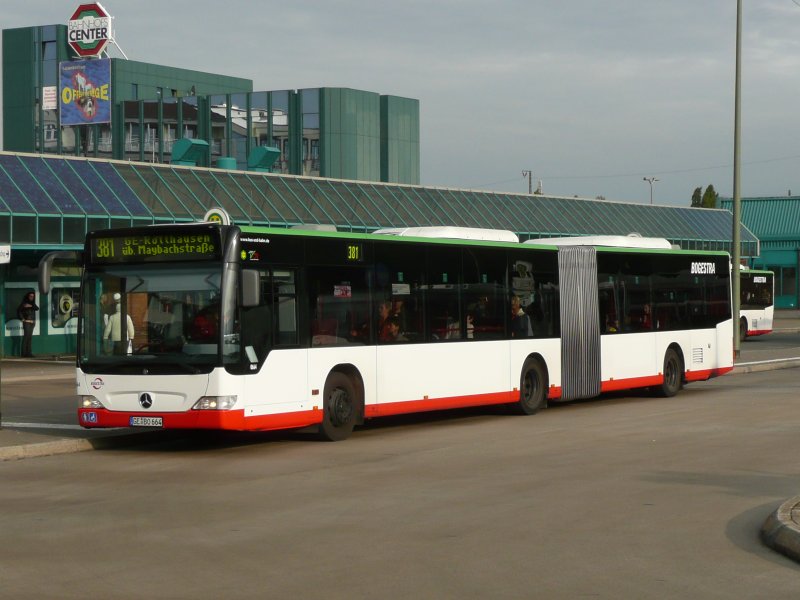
[(247, 328), (757, 302)]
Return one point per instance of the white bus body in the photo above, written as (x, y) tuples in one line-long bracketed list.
[(264, 327)]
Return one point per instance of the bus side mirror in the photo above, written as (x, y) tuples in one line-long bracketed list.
[(251, 288), (46, 266)]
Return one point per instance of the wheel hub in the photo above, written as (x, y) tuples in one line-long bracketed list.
[(341, 409)]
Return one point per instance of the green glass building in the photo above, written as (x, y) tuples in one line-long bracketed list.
[(324, 132)]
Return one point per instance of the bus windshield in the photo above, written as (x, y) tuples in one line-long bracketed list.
[(165, 318)]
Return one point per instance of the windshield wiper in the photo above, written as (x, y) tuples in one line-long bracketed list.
[(188, 367)]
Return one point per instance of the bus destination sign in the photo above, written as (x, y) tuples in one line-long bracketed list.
[(155, 248)]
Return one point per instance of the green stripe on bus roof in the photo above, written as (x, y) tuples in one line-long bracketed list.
[(461, 242)]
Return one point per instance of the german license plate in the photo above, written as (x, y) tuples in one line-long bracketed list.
[(147, 422)]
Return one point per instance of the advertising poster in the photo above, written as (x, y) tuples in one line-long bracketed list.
[(64, 302), (85, 92)]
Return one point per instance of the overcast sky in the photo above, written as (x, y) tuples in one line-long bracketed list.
[(591, 96)]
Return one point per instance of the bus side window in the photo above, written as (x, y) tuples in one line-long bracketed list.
[(335, 297), (443, 277)]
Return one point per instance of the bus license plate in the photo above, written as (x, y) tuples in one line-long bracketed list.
[(147, 422)]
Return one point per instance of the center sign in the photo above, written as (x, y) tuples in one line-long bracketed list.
[(89, 30)]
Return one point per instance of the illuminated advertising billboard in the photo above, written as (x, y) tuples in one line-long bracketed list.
[(85, 92)]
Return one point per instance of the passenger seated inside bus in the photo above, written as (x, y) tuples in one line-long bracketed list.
[(205, 324), (520, 321), (398, 310), (393, 328), (384, 312), (642, 319), (481, 320)]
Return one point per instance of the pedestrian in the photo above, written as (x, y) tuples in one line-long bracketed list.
[(113, 329), (26, 311)]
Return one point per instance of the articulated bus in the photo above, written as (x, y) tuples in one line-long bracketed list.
[(757, 302), (247, 328)]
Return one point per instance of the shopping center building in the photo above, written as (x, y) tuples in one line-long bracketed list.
[(55, 103)]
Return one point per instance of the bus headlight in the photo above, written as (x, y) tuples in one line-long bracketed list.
[(215, 403), (90, 402)]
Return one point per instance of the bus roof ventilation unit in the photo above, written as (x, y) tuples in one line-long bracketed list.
[(315, 227), (455, 233), (615, 241)]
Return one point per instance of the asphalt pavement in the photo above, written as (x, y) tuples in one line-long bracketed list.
[(781, 531)]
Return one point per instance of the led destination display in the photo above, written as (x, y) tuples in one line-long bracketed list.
[(155, 248)]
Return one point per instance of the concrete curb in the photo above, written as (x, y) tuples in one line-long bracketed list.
[(781, 530), (63, 446), (766, 365), (109, 441), (27, 378)]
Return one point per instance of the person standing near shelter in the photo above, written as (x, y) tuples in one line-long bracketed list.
[(113, 329), (26, 311)]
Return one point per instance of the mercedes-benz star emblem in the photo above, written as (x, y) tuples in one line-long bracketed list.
[(146, 400)]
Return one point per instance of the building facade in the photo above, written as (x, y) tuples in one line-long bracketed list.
[(776, 222), (324, 132)]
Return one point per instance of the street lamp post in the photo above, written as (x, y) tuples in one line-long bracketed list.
[(529, 175), (737, 202), (650, 180)]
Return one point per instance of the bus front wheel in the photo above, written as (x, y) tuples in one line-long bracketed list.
[(673, 375), (742, 329), (532, 387), (340, 410)]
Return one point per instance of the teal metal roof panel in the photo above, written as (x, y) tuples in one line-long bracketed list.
[(770, 218)]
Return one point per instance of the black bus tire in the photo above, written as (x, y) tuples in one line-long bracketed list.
[(742, 329), (673, 374), (340, 409), (532, 387)]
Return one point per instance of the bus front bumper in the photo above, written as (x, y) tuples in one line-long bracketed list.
[(233, 420)]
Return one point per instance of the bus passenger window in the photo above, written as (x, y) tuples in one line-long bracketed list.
[(338, 303)]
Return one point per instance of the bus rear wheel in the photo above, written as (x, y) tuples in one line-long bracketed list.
[(532, 387), (673, 375), (340, 410)]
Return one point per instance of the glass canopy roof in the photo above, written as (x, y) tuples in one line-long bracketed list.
[(52, 201)]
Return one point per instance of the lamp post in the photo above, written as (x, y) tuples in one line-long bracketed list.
[(529, 175), (650, 180), (737, 203)]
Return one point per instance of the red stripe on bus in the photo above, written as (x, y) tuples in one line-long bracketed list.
[(752, 332), (651, 380), (707, 373), (615, 385), (428, 404)]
